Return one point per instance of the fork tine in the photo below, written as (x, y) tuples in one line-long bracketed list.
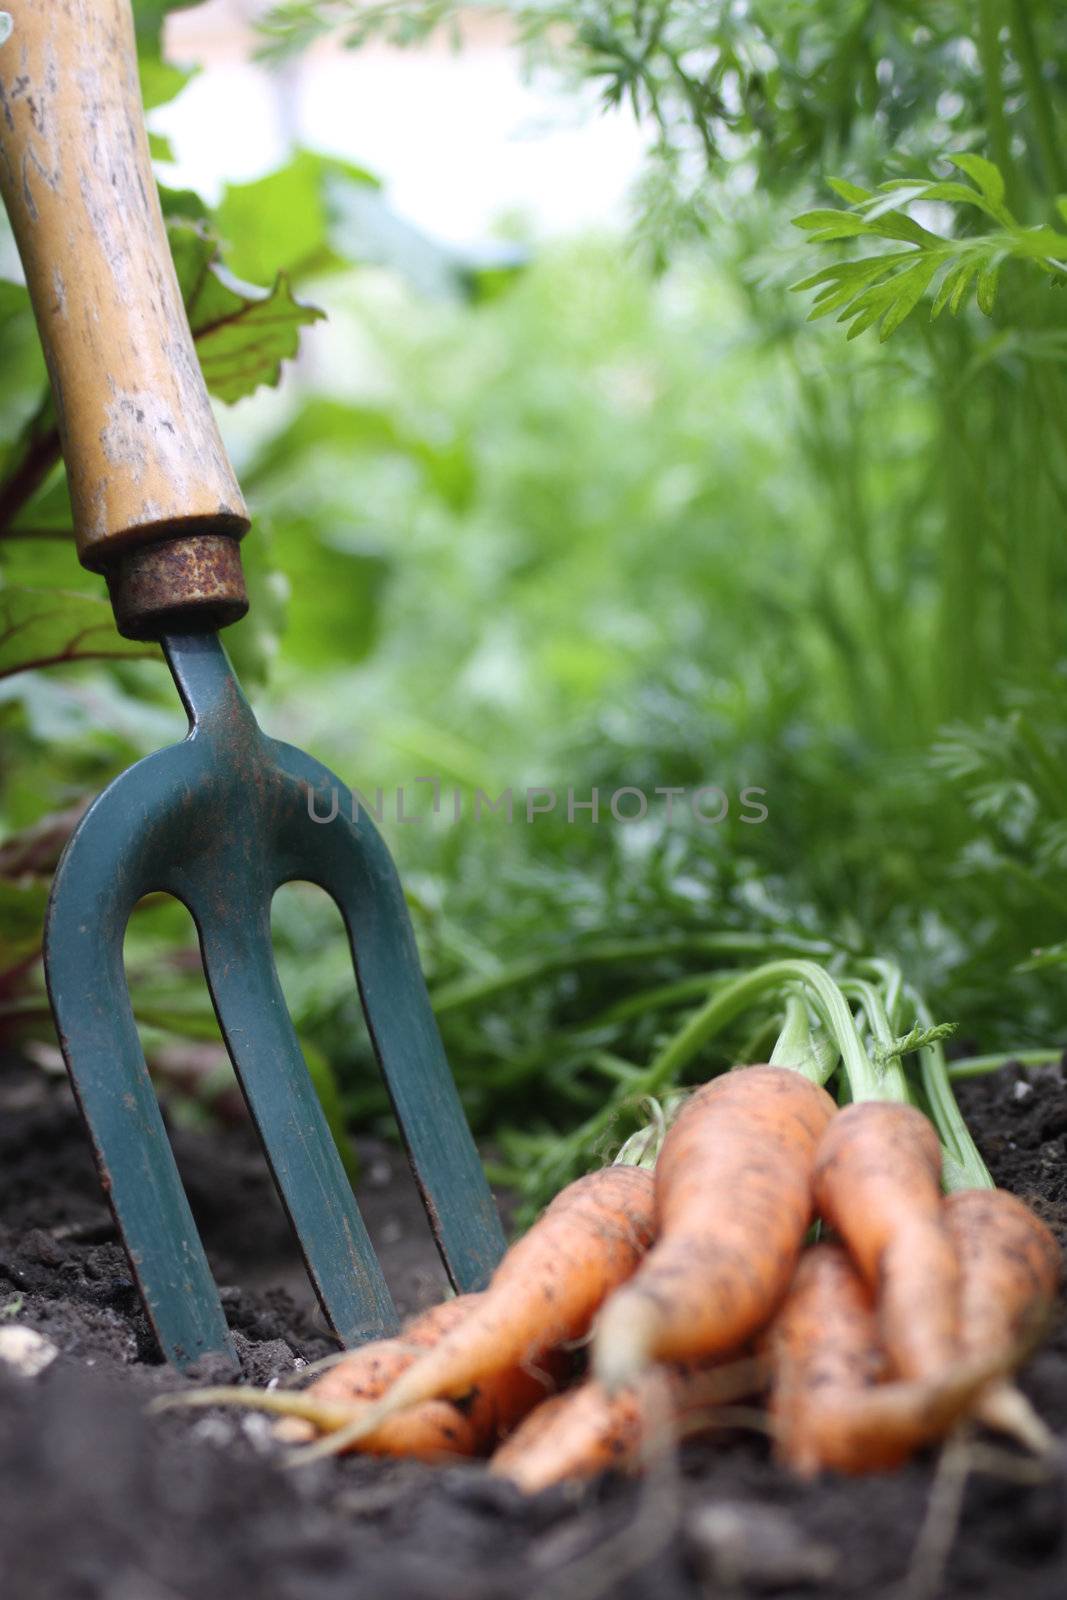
[(255, 791), (348, 858), (220, 822), (259, 1034), (95, 889)]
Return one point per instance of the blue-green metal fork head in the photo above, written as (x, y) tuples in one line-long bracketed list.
[(220, 821)]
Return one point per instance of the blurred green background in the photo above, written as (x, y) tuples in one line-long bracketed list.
[(608, 510)]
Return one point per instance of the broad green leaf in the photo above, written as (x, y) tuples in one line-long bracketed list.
[(339, 577), (282, 222), (40, 627), (183, 203), (48, 563), (194, 249), (160, 147), (21, 363), (160, 82), (242, 333), (241, 340), (150, 15), (14, 302), (49, 509)]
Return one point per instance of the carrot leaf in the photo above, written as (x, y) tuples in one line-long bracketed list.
[(882, 290)]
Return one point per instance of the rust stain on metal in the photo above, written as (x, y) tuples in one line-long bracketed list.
[(191, 578)]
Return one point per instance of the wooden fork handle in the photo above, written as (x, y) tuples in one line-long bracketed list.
[(144, 458)]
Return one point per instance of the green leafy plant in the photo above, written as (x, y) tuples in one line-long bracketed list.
[(882, 290)]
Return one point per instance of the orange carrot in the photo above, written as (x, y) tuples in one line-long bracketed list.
[(544, 1293), (877, 1182), (429, 1432), (1011, 1266), (829, 1408), (582, 1433), (733, 1202), (587, 1431), (366, 1372), (438, 1428)]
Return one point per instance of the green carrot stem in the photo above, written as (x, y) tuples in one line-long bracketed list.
[(643, 1147), (473, 991), (1026, 51), (795, 1046), (965, 1168), (978, 1066), (761, 983), (990, 55), (891, 1073), (661, 995), (613, 1066)]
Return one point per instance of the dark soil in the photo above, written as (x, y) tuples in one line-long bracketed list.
[(100, 1501)]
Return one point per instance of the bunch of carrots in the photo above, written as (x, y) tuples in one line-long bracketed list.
[(767, 1244)]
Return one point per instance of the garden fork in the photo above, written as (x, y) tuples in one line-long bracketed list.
[(223, 819)]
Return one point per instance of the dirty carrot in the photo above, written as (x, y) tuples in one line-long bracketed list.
[(363, 1373), (877, 1182), (367, 1371), (829, 1408), (544, 1293), (428, 1432), (436, 1428), (1011, 1266), (733, 1202), (587, 1431)]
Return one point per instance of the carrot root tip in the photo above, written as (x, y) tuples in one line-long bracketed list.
[(324, 1415), (624, 1340), (1006, 1409)]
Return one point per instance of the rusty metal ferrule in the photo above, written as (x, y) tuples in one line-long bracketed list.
[(186, 584)]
